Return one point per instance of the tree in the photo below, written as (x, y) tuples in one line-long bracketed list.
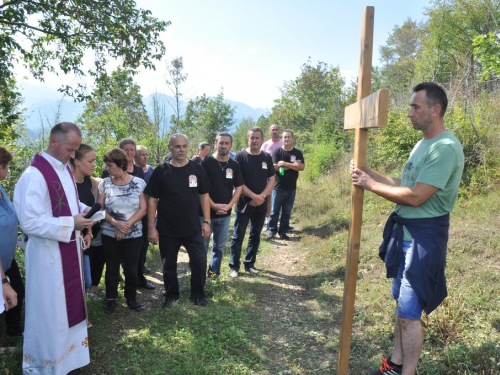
[(158, 119), (10, 101), (48, 33), (177, 78), (487, 51), (447, 53), (115, 111), (263, 123), (205, 117), (240, 134), (399, 58), (313, 104)]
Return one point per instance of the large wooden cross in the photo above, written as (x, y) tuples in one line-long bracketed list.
[(370, 111)]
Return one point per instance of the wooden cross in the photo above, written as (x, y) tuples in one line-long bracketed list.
[(370, 111)]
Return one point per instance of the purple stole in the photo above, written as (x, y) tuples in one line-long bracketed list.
[(75, 302)]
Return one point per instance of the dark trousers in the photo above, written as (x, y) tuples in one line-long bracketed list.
[(144, 249), (241, 221), (13, 317), (169, 250), (127, 251), (97, 262)]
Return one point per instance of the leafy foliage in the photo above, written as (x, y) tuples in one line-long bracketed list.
[(399, 58), (487, 51), (10, 100), (240, 135), (447, 54), (312, 105), (47, 34), (115, 111), (205, 117), (313, 102), (391, 146)]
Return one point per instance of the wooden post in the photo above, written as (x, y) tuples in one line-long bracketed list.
[(370, 111)]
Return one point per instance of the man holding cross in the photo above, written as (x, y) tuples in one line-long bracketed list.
[(416, 235)]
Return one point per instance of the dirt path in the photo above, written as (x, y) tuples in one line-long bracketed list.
[(297, 326)]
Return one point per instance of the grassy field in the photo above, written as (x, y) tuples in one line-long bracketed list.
[(286, 320)]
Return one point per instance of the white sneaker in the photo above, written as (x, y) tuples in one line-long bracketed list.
[(94, 296), (233, 273)]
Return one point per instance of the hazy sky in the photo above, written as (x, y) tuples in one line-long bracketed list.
[(249, 48)]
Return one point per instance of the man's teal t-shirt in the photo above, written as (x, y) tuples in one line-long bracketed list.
[(438, 162)]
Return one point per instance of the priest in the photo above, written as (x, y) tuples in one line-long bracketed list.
[(50, 214)]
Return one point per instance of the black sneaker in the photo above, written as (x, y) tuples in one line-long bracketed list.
[(134, 305), (253, 270), (147, 285), (290, 228), (212, 275), (169, 302), (284, 237), (110, 306), (200, 301), (387, 369)]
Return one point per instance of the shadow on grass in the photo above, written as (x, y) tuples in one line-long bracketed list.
[(326, 230), (496, 325), (244, 331)]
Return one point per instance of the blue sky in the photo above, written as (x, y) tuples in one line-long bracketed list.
[(250, 48)]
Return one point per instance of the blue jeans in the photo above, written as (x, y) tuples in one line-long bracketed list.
[(282, 200), (220, 230), (241, 220), (86, 272), (409, 306)]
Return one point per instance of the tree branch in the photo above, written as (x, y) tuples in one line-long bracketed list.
[(40, 30), (13, 2)]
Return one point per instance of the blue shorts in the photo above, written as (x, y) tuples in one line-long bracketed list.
[(409, 307)]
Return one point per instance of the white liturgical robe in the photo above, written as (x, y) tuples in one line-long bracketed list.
[(50, 346)]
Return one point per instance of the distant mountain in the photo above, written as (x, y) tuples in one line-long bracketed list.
[(242, 110), (44, 107)]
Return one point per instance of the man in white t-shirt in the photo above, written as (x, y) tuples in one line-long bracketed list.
[(269, 146)]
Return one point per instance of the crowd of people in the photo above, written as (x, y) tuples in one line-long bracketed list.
[(185, 201)]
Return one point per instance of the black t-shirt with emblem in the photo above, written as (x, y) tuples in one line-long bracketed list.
[(289, 180), (223, 178), (177, 190), (256, 169)]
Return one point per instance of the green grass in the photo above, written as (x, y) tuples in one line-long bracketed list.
[(289, 324)]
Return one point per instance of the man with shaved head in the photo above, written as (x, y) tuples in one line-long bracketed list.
[(177, 190)]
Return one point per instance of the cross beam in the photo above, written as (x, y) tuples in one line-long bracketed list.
[(370, 111)]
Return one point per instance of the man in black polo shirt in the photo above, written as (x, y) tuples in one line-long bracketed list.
[(288, 161), (258, 174), (226, 183), (176, 191)]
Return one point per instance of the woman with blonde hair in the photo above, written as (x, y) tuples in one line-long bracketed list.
[(83, 166)]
